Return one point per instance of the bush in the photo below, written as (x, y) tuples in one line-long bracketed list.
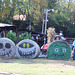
[(25, 36), (12, 35)]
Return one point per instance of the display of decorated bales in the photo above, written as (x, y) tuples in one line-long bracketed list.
[(7, 48), (59, 50), (27, 49)]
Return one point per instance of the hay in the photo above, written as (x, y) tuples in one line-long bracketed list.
[(51, 35)]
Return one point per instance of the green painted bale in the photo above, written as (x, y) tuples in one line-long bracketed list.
[(59, 50)]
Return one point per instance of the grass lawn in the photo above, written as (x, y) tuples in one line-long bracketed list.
[(39, 66)]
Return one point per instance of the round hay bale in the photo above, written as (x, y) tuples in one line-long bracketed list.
[(27, 49), (7, 48), (59, 50)]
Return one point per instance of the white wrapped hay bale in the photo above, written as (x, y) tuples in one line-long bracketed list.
[(7, 48), (27, 49)]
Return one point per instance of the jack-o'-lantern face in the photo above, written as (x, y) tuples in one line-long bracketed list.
[(27, 49), (59, 50), (7, 48)]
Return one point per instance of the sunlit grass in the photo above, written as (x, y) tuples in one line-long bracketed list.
[(40, 66)]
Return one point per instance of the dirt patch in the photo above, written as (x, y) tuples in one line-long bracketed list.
[(5, 73)]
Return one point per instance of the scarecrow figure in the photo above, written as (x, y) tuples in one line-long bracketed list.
[(51, 35)]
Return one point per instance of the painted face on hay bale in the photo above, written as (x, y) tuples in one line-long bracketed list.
[(7, 48), (59, 50), (27, 49)]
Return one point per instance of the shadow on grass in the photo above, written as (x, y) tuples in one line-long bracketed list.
[(38, 61)]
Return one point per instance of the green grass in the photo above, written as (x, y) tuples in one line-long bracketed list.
[(39, 66)]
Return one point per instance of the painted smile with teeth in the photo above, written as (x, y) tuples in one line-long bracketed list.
[(58, 55), (27, 54), (5, 53)]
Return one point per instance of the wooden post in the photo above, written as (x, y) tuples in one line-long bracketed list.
[(17, 33), (4, 33), (17, 37)]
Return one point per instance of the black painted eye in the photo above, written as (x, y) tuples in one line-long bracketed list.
[(26, 45), (1, 45), (7, 45)]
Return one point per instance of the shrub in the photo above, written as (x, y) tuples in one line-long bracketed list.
[(12, 35), (25, 36)]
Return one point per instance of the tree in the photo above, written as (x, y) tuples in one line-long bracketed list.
[(51, 4), (33, 9), (7, 10), (58, 21), (63, 17), (73, 15)]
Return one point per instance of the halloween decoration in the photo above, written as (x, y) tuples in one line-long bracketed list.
[(59, 50), (27, 49), (7, 48), (51, 35)]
